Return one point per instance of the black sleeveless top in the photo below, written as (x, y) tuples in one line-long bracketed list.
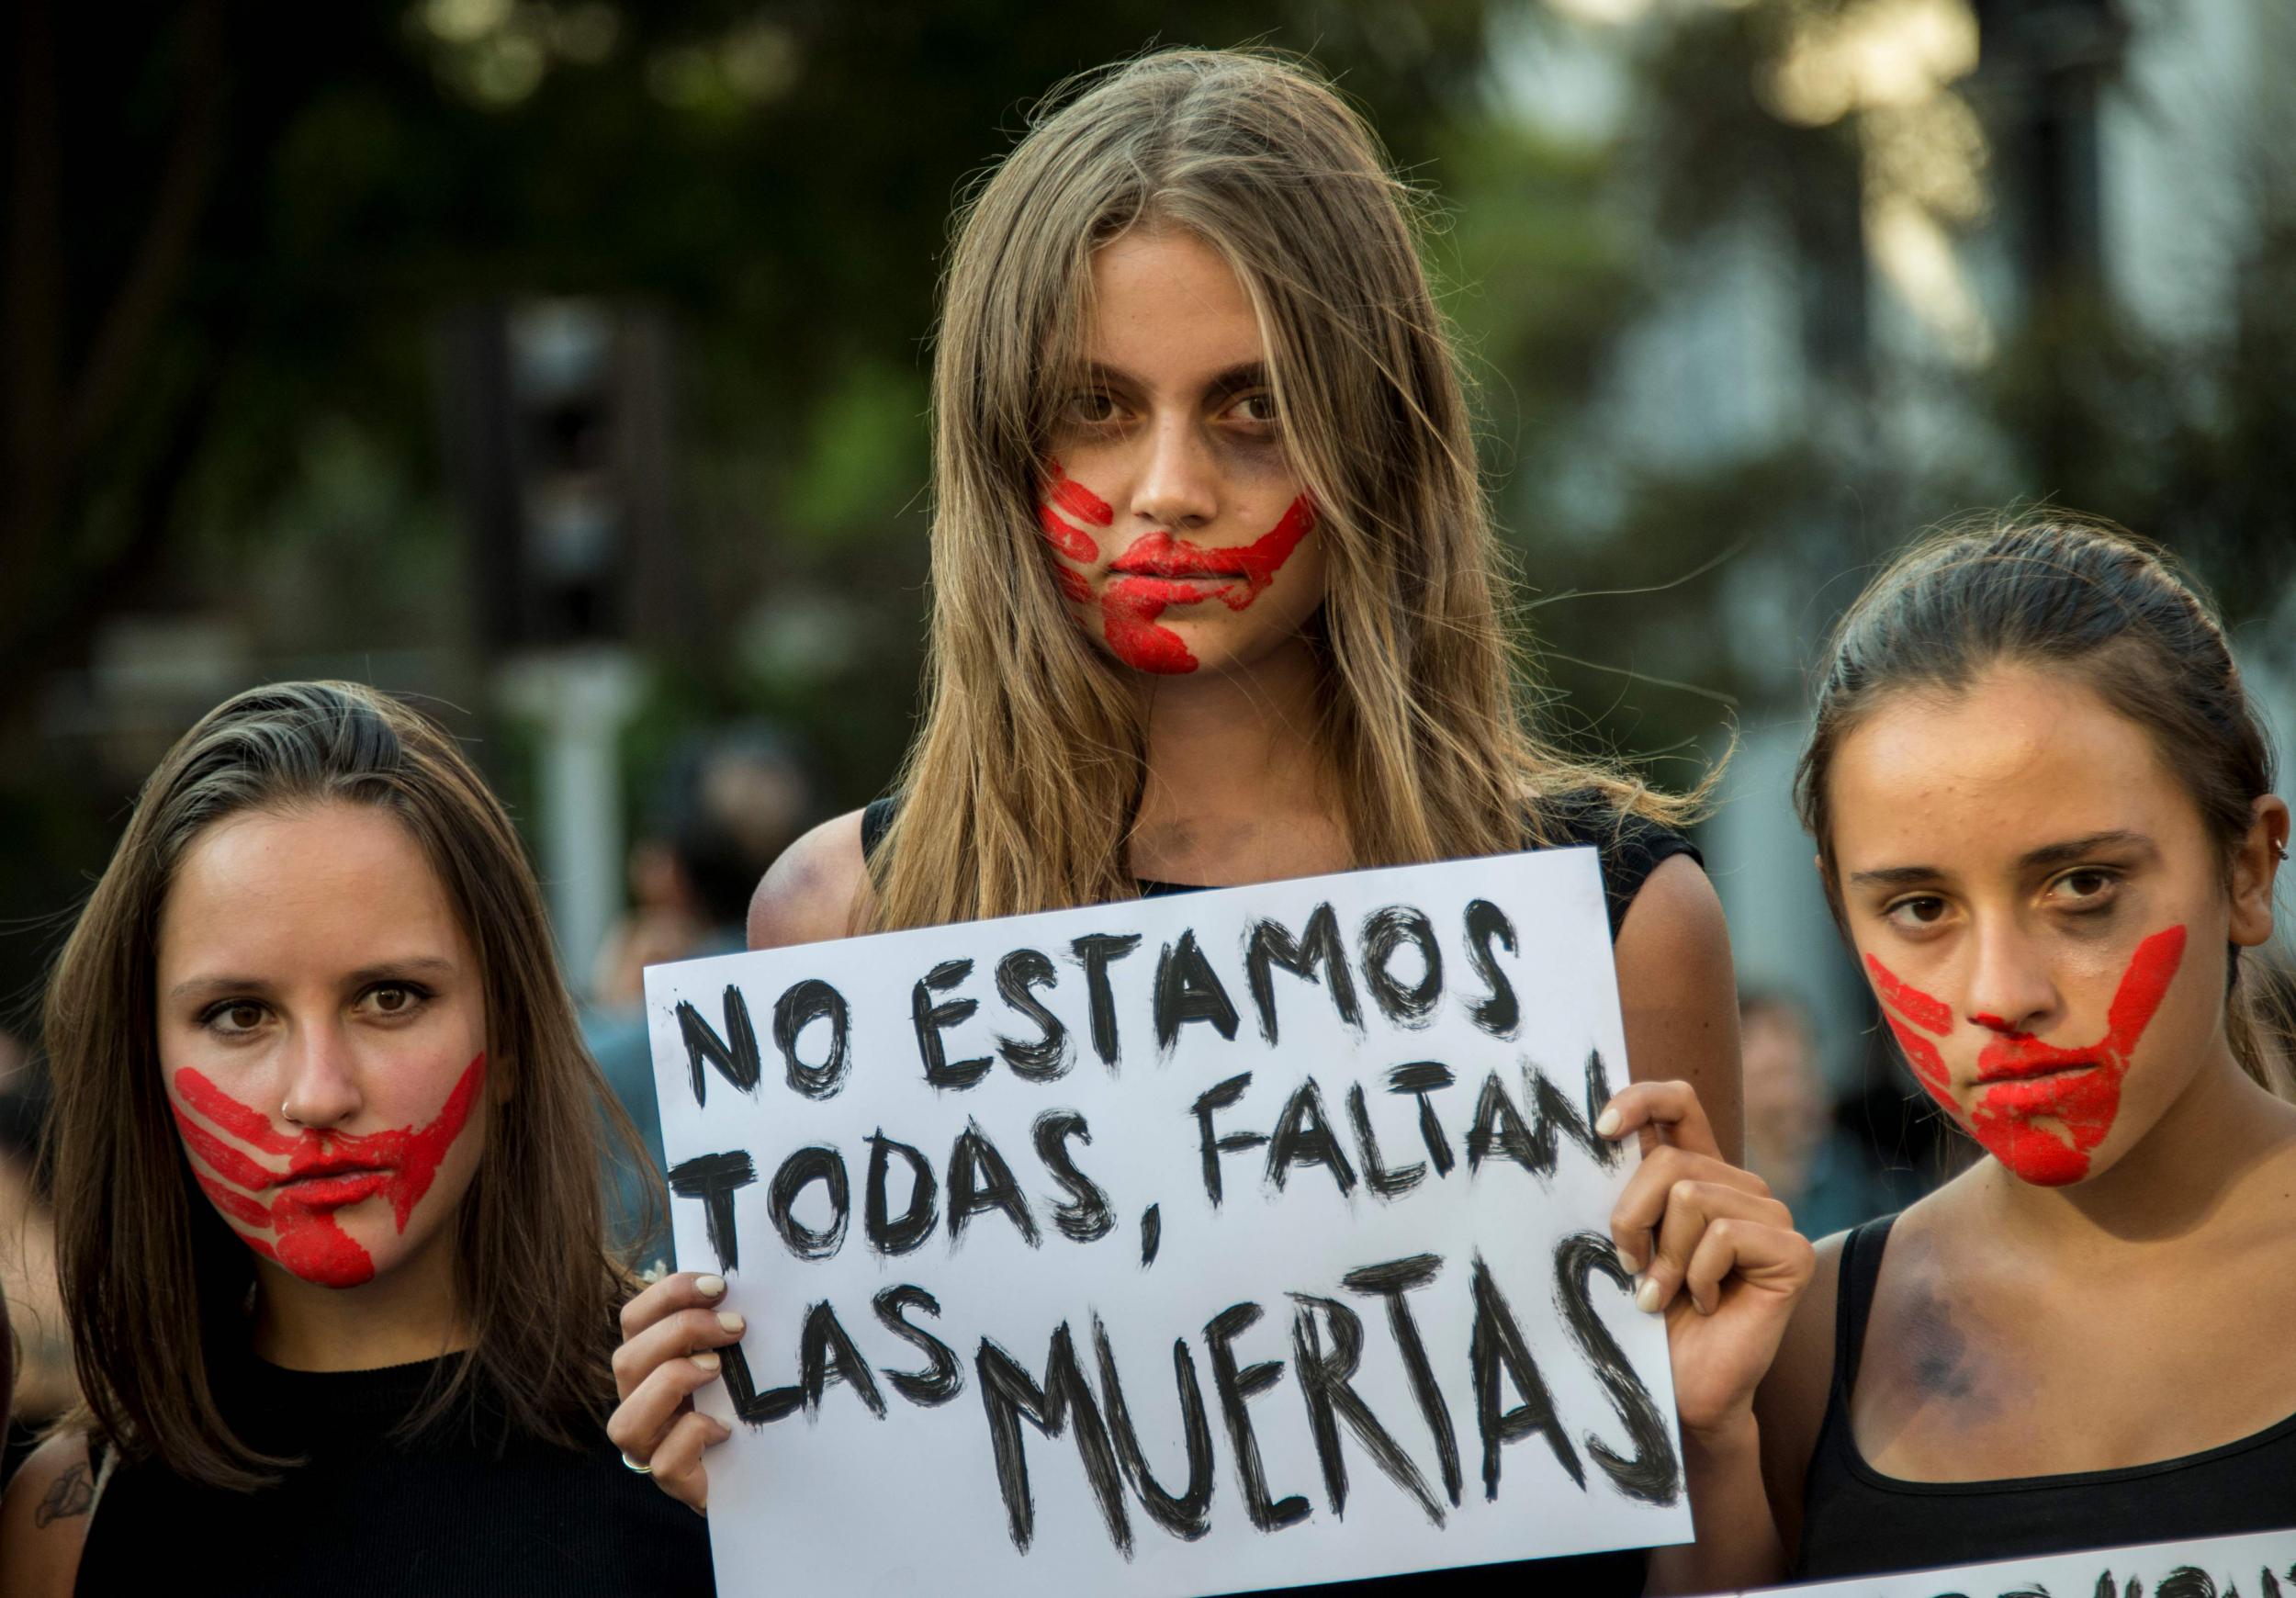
[(371, 1516), (1857, 1521), (1630, 848)]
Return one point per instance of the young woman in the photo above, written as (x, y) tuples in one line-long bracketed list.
[(2044, 812), (327, 1198), (1215, 591)]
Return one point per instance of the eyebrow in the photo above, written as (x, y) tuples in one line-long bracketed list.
[(1229, 380), (2073, 849), (419, 965), (2040, 859)]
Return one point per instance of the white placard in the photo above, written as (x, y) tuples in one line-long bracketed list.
[(2259, 1565), (1094, 1251)]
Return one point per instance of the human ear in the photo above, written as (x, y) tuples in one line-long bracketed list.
[(2256, 863)]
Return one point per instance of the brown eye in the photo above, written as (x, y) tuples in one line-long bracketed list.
[(1257, 408), (1091, 406), (1914, 914), (234, 1017), (2086, 890), (397, 998)]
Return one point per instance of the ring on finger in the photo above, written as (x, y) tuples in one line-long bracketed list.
[(640, 1465)]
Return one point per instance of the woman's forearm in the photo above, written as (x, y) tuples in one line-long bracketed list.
[(1738, 1542)]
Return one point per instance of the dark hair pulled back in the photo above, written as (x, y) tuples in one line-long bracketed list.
[(2080, 596)]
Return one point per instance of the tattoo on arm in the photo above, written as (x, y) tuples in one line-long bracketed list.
[(74, 1493)]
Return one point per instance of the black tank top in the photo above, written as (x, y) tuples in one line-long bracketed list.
[(467, 1510), (1630, 848), (1857, 1521)]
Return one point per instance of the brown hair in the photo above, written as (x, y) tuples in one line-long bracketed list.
[(2081, 596), (154, 1283), (1032, 750)]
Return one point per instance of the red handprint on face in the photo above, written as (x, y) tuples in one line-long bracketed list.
[(2041, 1110), (326, 1171), (1157, 571)]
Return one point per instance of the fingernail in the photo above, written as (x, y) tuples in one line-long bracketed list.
[(710, 1287), (731, 1322), (1606, 1123), (706, 1361), (1646, 1295)]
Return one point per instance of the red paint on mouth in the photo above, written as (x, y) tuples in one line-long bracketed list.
[(2025, 1081), (1159, 570), (326, 1171)]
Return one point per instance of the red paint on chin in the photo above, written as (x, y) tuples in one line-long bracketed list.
[(326, 1172), (2042, 1111), (1159, 570)]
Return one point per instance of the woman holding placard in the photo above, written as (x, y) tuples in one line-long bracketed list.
[(328, 1212), (2044, 813), (1216, 594)]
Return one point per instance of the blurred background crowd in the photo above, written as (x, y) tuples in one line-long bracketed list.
[(561, 364)]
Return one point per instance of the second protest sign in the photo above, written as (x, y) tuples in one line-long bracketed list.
[(1186, 1246)]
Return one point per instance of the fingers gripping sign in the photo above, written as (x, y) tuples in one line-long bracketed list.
[(669, 1336), (1712, 1249)]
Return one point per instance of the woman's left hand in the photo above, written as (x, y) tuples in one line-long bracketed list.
[(1716, 1253)]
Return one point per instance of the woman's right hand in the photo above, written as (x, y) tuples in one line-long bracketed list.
[(670, 1335)]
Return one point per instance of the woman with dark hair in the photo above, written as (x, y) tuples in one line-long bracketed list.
[(328, 1211), (1217, 598), (2043, 810)]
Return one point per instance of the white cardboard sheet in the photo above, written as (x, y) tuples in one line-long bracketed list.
[(1485, 1023), (2259, 1565)]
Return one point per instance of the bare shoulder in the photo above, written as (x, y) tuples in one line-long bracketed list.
[(1679, 993), (1791, 1402), (811, 893), (44, 1519), (1675, 925)]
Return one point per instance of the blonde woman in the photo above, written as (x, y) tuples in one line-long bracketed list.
[(1216, 598)]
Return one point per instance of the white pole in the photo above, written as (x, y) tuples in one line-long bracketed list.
[(581, 699)]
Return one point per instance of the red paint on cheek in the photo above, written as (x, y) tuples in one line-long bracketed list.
[(1930, 1014), (1078, 502), (1069, 541), (1922, 1054), (1072, 586), (1159, 570), (233, 1202), (326, 1172)]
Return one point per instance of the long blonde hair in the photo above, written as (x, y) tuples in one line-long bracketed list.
[(1030, 762)]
